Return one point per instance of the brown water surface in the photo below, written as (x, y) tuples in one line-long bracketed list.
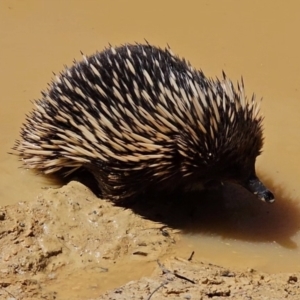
[(256, 39)]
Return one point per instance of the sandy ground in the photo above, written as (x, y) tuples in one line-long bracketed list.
[(69, 244)]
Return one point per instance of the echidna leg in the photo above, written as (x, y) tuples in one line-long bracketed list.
[(115, 186)]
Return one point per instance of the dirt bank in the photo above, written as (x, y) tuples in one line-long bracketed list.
[(69, 244)]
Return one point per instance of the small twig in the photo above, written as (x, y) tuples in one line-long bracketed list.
[(191, 256), (142, 253), (164, 283), (183, 277), (165, 271)]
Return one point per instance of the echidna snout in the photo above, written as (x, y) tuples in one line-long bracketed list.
[(240, 173), (255, 186)]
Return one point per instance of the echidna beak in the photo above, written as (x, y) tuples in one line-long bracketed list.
[(255, 186)]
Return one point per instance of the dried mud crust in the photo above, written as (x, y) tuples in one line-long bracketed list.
[(182, 279), (69, 244)]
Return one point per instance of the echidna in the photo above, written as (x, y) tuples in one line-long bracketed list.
[(140, 118)]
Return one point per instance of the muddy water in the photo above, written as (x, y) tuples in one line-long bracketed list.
[(252, 38)]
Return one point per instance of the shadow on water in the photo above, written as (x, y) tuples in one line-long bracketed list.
[(231, 212)]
